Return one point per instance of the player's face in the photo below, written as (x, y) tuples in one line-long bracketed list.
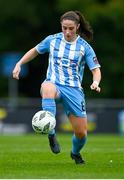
[(69, 29)]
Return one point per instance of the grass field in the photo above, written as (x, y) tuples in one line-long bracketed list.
[(29, 156)]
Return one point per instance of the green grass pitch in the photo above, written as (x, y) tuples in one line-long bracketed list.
[(29, 156)]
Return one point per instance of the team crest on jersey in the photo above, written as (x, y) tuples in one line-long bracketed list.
[(82, 53), (79, 53)]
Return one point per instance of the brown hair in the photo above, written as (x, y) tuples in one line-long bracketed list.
[(85, 30)]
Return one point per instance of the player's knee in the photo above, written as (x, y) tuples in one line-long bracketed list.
[(81, 134), (48, 90)]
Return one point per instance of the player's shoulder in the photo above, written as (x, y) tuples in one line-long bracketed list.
[(55, 36), (84, 43)]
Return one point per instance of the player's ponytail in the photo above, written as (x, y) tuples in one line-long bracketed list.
[(85, 29)]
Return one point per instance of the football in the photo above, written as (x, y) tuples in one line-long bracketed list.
[(43, 122)]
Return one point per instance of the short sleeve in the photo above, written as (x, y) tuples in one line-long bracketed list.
[(91, 58), (44, 45)]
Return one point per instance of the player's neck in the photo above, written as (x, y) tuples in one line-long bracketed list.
[(71, 40)]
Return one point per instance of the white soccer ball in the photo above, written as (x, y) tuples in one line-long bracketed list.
[(43, 122)]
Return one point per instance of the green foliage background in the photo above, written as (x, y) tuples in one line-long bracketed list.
[(24, 23)]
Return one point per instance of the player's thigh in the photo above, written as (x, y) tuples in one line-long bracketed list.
[(73, 101), (79, 125)]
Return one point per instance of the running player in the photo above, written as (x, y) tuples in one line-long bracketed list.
[(68, 53)]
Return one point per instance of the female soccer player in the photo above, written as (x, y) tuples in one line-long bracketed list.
[(68, 54)]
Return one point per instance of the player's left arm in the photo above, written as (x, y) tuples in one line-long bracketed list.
[(96, 79), (94, 66)]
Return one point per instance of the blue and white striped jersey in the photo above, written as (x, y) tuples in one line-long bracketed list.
[(67, 59)]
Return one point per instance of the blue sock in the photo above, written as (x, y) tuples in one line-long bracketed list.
[(77, 144), (48, 104)]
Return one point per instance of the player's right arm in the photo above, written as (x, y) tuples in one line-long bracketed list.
[(41, 48), (31, 54)]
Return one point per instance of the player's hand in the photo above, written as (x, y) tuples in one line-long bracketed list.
[(16, 71), (94, 86)]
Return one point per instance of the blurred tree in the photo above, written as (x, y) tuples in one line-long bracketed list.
[(23, 19)]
